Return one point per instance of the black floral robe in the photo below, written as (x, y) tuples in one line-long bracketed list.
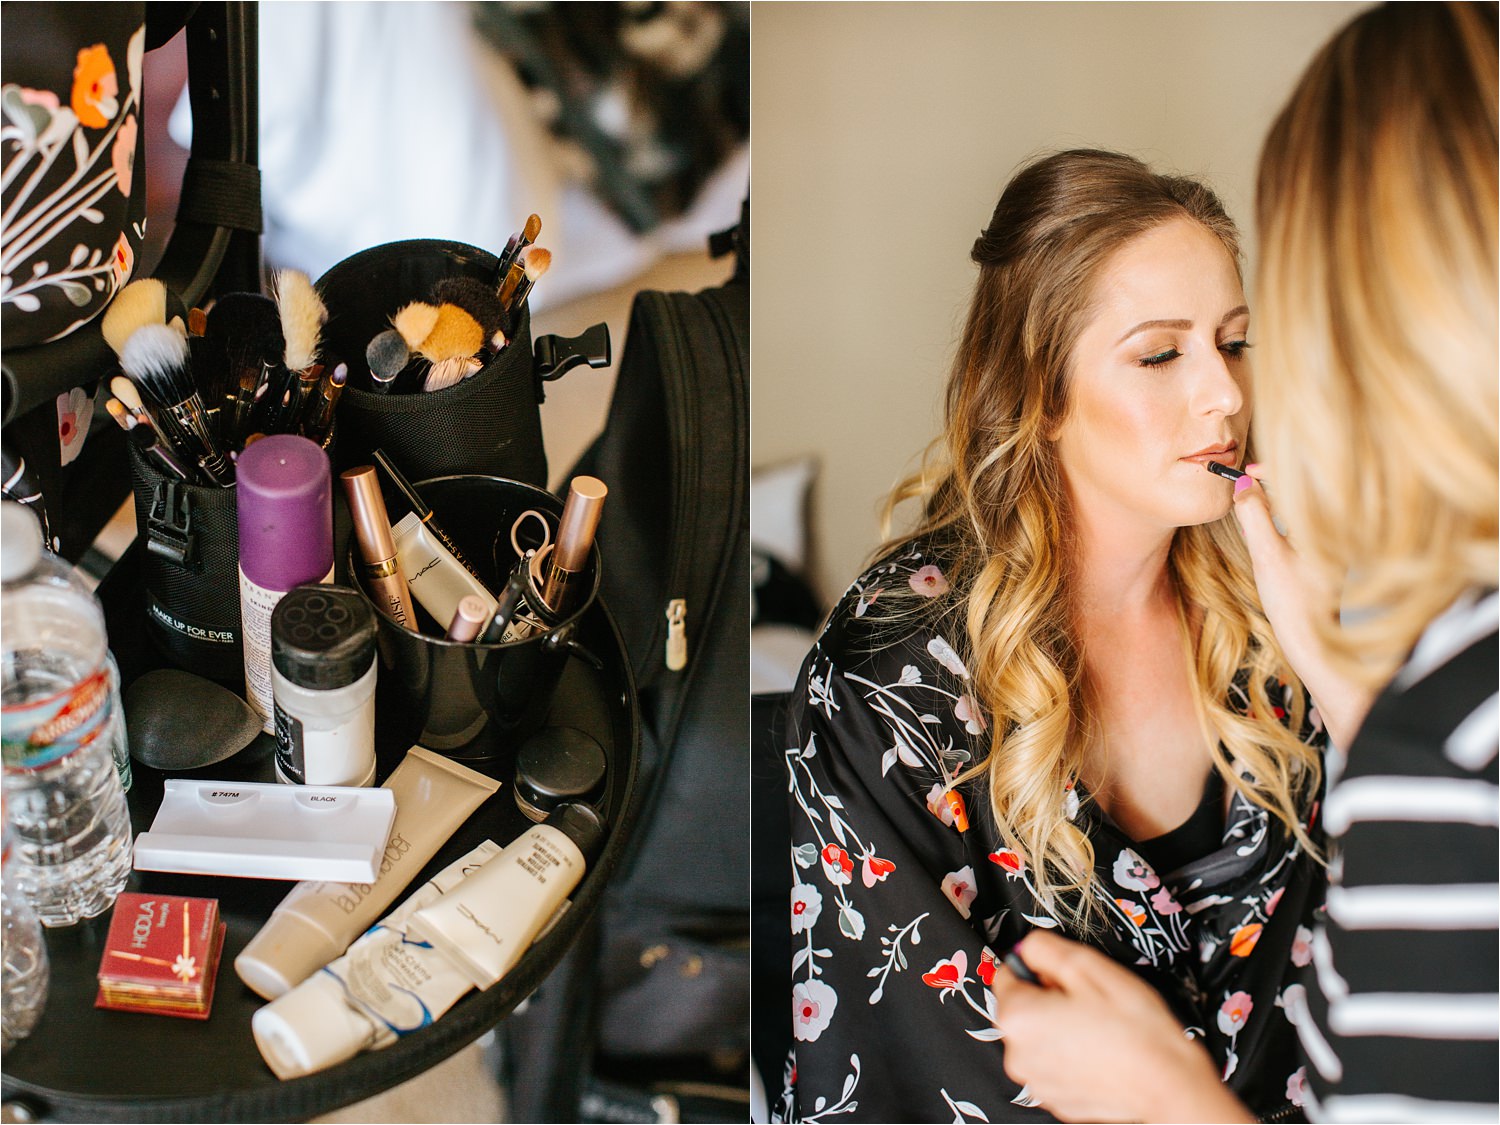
[(897, 917)]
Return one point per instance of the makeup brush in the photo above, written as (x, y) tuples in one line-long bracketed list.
[(478, 300), (126, 420), (387, 356), (124, 390), (319, 425), (139, 303), (450, 372), (517, 242), (456, 336), (415, 322), (536, 261), (144, 438), (303, 315), (248, 327), (156, 359)]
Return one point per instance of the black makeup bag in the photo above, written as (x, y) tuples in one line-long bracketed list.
[(191, 565), (488, 424)]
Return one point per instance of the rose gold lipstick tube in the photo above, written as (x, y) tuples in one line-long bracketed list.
[(372, 527), (575, 539)]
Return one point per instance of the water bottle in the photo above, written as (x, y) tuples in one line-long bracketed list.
[(25, 986), (61, 728)]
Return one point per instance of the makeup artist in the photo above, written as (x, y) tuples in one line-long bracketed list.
[(1377, 427), (1056, 703)]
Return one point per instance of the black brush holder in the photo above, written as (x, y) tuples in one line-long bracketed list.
[(490, 423), (192, 571), (474, 701)]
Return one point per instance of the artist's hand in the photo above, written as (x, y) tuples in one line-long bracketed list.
[(1294, 597), (1096, 1043)]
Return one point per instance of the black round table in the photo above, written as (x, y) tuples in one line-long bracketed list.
[(82, 1063)]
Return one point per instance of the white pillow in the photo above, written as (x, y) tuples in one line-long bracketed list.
[(778, 511)]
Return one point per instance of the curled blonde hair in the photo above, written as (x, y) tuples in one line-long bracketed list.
[(1376, 388), (992, 494)]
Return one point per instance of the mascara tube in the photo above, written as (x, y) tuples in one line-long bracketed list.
[(372, 528), (555, 581), (575, 538)]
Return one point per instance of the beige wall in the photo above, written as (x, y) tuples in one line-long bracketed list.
[(882, 136)]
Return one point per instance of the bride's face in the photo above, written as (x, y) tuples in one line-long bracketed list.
[(1159, 383)]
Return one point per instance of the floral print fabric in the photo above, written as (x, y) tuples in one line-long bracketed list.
[(69, 137), (898, 917)]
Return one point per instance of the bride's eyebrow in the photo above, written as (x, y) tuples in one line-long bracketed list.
[(1181, 325)]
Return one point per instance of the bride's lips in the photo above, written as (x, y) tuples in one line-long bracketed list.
[(1224, 454)]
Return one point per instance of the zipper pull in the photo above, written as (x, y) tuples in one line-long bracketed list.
[(677, 634)]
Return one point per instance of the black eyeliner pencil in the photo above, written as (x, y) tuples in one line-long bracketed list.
[(424, 513), (1224, 471)]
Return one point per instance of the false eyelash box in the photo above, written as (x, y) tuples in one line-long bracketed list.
[(268, 831)]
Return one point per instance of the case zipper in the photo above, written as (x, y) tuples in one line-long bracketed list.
[(677, 634)]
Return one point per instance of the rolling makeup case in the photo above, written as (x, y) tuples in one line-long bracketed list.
[(648, 1017)]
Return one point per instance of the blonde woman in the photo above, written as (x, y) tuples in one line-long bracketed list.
[(1377, 418), (1057, 703)]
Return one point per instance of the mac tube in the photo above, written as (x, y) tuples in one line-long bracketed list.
[(384, 580), (486, 923), (424, 513)]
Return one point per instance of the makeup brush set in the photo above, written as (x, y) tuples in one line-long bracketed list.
[(194, 392), (462, 324)]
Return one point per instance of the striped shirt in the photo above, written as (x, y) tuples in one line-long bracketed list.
[(1400, 1020)]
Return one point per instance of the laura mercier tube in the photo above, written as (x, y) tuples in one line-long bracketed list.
[(317, 921), (484, 925)]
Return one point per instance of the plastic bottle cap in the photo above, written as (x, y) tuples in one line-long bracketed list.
[(309, 1029), (20, 541), (558, 765), (323, 637), (285, 952)]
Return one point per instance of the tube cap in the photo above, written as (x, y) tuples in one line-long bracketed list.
[(367, 508), (284, 500), (582, 824), (286, 952), (311, 1028)]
